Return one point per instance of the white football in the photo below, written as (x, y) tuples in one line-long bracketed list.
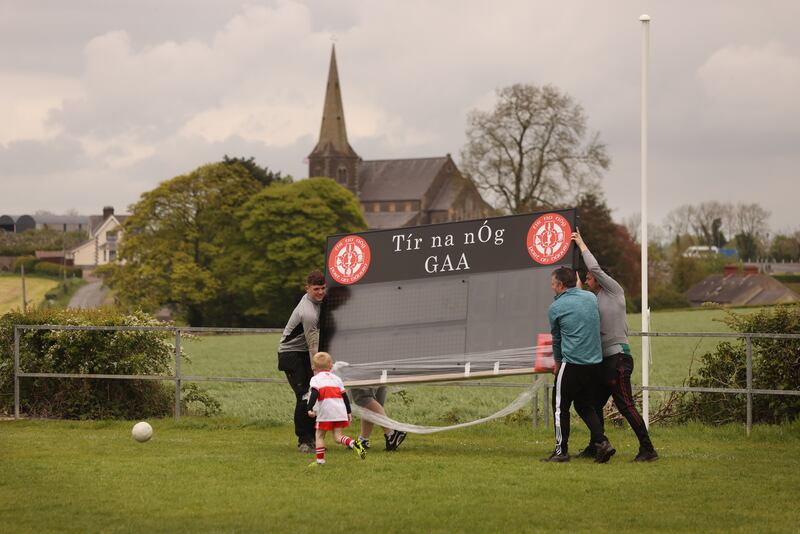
[(142, 431)]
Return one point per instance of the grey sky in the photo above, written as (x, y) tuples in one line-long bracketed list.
[(100, 101)]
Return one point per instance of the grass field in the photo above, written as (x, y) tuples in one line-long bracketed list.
[(223, 475), (240, 472), (11, 291)]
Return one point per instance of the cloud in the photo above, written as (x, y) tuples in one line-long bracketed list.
[(124, 96), (33, 158), (28, 99), (754, 88)]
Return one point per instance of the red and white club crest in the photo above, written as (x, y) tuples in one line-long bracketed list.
[(349, 260), (548, 238)]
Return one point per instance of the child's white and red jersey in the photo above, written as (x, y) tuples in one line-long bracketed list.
[(330, 403)]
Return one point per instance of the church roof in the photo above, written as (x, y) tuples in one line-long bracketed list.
[(332, 132), (447, 196), (397, 179), (396, 219)]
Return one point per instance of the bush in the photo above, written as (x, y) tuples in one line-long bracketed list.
[(83, 351), (787, 278), (26, 243), (686, 272), (776, 365), (53, 269), (667, 298), (29, 262)]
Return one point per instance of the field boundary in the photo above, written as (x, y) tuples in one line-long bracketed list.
[(178, 378)]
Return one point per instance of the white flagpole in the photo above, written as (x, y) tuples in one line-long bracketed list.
[(645, 20)]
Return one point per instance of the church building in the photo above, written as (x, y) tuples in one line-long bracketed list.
[(393, 192)]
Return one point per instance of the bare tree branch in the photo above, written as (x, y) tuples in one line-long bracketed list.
[(531, 149)]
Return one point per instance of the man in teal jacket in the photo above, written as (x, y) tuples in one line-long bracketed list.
[(575, 327)]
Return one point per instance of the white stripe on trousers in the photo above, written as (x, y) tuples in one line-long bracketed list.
[(557, 411)]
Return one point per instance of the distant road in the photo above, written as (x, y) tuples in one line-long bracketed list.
[(89, 296)]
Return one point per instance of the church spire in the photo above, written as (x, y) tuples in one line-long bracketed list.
[(333, 129), (333, 156)]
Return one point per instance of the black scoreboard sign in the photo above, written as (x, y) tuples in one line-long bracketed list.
[(444, 300)]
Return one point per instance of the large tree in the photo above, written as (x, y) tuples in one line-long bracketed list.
[(286, 227), (262, 174), (177, 249), (532, 150), (785, 247)]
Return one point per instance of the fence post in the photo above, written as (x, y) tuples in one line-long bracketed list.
[(177, 373), (16, 372), (749, 341), (536, 409)]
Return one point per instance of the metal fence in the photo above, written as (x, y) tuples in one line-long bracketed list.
[(178, 378)]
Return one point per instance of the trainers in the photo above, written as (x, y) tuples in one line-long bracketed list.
[(305, 448), (364, 442), (558, 458), (399, 437), (604, 452), (315, 464), (359, 449), (646, 456), (589, 453), (394, 440)]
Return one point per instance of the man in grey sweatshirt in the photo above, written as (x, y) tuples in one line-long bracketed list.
[(299, 342), (617, 359)]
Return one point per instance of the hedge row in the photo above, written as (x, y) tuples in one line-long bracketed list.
[(86, 352), (34, 265), (776, 365)]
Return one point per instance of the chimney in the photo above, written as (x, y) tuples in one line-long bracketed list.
[(108, 211)]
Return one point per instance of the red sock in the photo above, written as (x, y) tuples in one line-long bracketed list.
[(347, 442), (320, 455)]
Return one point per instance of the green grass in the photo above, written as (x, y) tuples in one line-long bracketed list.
[(223, 475), (672, 358), (240, 472), (11, 291)]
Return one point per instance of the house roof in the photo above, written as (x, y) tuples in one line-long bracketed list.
[(398, 179), (741, 289), (97, 221), (389, 219)]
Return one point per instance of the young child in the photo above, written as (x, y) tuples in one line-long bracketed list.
[(330, 405)]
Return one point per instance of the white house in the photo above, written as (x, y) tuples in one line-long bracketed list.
[(101, 248)]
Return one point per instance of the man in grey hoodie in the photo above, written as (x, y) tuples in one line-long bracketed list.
[(299, 342), (617, 359)]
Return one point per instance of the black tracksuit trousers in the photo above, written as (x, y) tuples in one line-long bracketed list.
[(617, 370), (297, 367), (578, 384)]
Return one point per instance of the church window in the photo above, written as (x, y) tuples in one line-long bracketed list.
[(341, 175)]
